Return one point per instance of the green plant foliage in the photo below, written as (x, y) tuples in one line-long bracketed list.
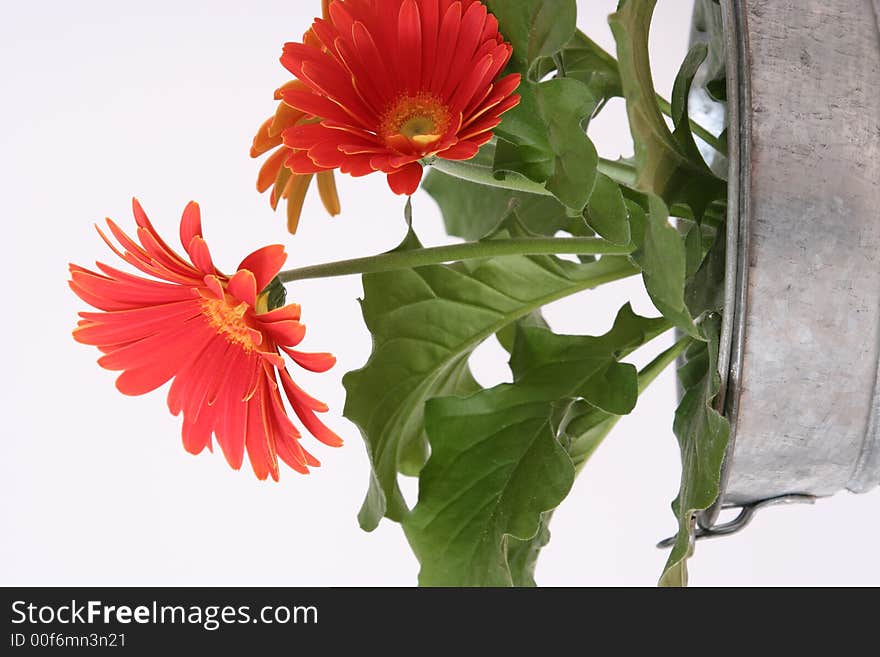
[(584, 429), (702, 436), (583, 60), (683, 274), (606, 212), (563, 104), (276, 293), (522, 556), (535, 28), (581, 429), (497, 465), (662, 256), (704, 290), (683, 295), (708, 19), (472, 211), (425, 324), (493, 464), (544, 140), (523, 146), (694, 241), (669, 163)]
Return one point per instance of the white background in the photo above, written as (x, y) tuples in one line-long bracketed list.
[(105, 100)]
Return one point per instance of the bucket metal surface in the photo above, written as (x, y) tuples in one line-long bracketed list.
[(800, 349)]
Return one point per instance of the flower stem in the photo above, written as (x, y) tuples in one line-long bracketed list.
[(477, 173), (472, 171), (456, 252), (652, 370), (619, 171)]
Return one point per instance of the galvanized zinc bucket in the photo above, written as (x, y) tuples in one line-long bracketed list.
[(800, 349)]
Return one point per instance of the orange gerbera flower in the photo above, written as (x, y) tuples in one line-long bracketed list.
[(284, 183), (384, 84), (213, 334)]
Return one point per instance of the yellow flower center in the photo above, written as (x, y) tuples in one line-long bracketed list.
[(421, 119), (229, 322)]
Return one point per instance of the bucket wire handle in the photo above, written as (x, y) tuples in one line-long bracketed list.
[(747, 512)]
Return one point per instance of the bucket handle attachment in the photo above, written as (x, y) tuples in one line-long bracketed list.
[(747, 512)]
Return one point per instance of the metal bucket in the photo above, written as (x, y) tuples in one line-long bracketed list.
[(800, 349)]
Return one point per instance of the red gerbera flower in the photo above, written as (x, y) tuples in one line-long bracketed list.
[(390, 82), (213, 334)]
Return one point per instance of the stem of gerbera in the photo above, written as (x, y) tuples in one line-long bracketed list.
[(470, 170), (528, 246), (652, 370)]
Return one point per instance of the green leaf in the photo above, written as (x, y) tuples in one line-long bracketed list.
[(693, 245), (472, 211), (496, 465), (704, 291), (708, 20), (522, 556), (495, 468), (662, 256), (543, 139), (583, 426), (540, 350), (584, 60), (669, 163), (507, 335), (702, 436), (576, 159), (682, 133), (535, 28), (529, 154), (581, 430), (606, 212), (425, 324), (586, 427), (561, 367), (276, 293)]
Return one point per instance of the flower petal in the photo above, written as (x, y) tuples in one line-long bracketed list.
[(265, 263), (190, 223), (199, 328), (405, 181), (243, 285)]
